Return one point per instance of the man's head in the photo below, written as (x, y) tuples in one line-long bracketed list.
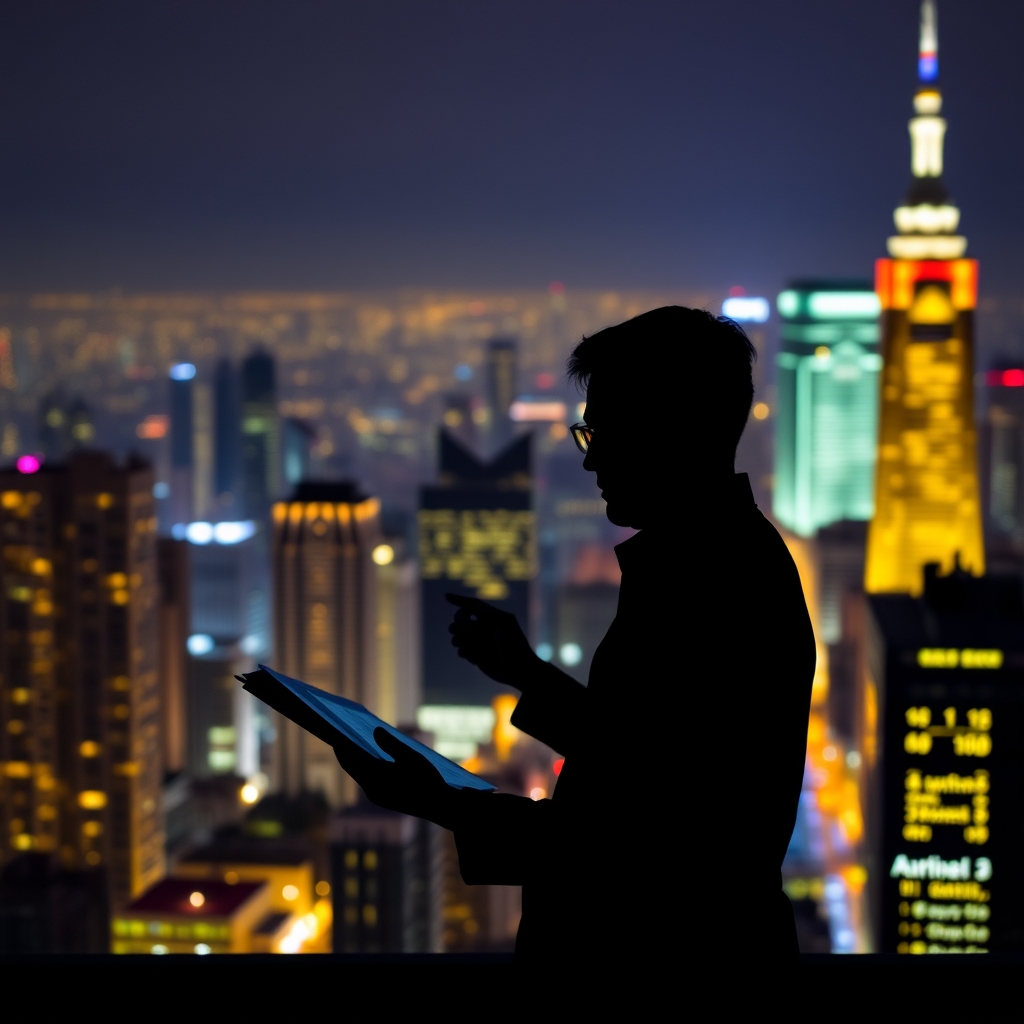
[(668, 395)]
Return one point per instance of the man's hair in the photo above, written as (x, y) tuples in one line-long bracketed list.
[(707, 358)]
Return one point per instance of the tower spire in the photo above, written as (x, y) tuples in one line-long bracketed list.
[(928, 219), (928, 49)]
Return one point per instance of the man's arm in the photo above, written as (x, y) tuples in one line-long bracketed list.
[(499, 835), (491, 639), (551, 708)]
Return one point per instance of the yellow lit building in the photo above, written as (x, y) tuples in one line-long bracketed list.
[(78, 615), (179, 915), (288, 871), (927, 506), (325, 598)]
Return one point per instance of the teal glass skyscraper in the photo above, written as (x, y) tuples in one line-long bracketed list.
[(827, 415)]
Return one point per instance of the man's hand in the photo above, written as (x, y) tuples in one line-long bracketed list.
[(410, 783), (493, 641)]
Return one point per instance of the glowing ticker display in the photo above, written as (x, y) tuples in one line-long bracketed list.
[(952, 784)]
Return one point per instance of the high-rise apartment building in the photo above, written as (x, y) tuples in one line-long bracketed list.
[(261, 448), (325, 601), (477, 533), (927, 506), (80, 740), (827, 409)]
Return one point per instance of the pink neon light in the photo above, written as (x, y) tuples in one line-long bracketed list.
[(28, 464)]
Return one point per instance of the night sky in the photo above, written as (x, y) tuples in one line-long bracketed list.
[(212, 144)]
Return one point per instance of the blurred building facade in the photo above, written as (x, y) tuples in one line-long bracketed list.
[(82, 775), (827, 411), (325, 600), (477, 536)]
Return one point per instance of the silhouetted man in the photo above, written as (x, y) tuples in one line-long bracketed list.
[(684, 754)]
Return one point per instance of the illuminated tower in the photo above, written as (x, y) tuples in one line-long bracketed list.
[(325, 602), (926, 482)]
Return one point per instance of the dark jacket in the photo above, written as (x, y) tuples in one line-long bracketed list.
[(684, 755)]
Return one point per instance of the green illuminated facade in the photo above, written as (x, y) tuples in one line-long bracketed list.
[(827, 415)]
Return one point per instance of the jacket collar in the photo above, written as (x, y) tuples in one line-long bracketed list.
[(734, 499)]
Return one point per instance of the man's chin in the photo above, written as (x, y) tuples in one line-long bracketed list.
[(620, 514)]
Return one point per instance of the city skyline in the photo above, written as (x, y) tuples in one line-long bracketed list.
[(460, 146)]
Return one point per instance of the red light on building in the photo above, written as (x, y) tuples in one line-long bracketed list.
[(557, 766), (153, 427), (1005, 378)]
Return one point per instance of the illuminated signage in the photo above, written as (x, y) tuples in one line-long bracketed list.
[(946, 837), (484, 549), (746, 309), (951, 657)]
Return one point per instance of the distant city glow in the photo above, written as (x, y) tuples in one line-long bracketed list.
[(197, 899), (199, 644), (570, 654), (545, 381), (161, 490), (788, 304), (28, 464), (538, 793), (202, 949), (531, 410), (182, 371), (928, 67), (290, 893), (159, 949), (153, 427), (383, 554), (463, 372), (761, 411), (251, 644), (249, 793), (216, 533), (1005, 378), (829, 305), (746, 309), (545, 652)]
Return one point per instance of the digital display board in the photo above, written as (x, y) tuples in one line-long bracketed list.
[(949, 856)]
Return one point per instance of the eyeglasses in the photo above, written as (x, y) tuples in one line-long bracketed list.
[(582, 434)]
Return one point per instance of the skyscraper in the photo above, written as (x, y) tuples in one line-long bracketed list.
[(325, 617), (227, 436), (477, 536), (927, 505), (182, 441), (827, 411), (261, 449), (1003, 451), (80, 741), (502, 367)]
